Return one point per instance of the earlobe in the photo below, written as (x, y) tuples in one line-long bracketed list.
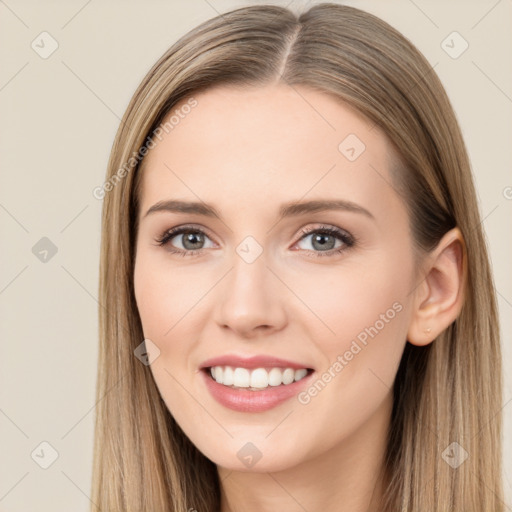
[(439, 298)]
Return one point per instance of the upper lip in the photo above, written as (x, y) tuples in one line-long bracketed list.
[(251, 362)]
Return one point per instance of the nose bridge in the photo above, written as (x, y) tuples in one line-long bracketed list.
[(250, 269), (250, 296)]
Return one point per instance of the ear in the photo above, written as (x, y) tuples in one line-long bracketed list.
[(439, 297)]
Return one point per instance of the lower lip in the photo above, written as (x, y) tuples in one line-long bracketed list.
[(245, 400)]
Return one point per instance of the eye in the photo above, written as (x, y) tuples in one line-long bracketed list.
[(191, 239), (325, 238)]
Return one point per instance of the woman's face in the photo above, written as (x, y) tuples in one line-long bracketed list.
[(334, 305)]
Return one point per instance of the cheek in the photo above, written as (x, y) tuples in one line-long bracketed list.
[(150, 299), (163, 296), (361, 315), (163, 303), (362, 334)]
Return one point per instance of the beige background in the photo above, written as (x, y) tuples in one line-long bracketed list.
[(58, 119)]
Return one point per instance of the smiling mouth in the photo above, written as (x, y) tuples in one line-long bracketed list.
[(256, 379)]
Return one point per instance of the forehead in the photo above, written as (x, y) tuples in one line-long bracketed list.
[(275, 143)]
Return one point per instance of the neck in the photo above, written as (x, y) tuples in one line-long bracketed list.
[(348, 477)]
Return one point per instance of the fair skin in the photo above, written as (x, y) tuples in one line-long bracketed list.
[(246, 152)]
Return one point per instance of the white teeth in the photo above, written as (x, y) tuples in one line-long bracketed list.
[(228, 377), (259, 378), (288, 376), (219, 374), (299, 374), (241, 378), (275, 377)]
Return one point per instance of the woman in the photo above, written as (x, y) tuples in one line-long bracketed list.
[(330, 340)]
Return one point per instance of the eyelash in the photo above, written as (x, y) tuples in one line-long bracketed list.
[(347, 239)]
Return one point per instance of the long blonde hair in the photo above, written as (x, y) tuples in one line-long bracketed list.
[(449, 391)]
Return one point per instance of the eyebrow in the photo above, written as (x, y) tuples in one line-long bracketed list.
[(293, 208)]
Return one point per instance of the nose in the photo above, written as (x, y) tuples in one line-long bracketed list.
[(251, 300)]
